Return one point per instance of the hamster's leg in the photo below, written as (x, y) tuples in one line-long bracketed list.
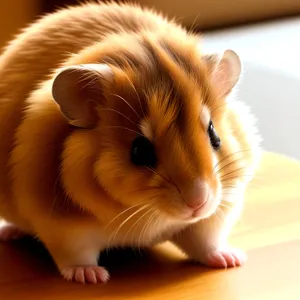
[(76, 257), (9, 232), (206, 240)]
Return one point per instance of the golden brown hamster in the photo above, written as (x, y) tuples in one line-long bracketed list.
[(117, 130)]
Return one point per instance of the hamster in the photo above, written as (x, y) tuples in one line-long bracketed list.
[(117, 130)]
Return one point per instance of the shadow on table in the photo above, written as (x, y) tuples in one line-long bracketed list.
[(132, 273)]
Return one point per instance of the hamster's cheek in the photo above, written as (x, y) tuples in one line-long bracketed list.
[(124, 183)]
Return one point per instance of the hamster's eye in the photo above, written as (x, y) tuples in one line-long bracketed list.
[(142, 152), (213, 136)]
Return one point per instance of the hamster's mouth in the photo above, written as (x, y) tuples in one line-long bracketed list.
[(197, 212), (204, 211)]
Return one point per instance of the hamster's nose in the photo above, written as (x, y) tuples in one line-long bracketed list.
[(198, 195)]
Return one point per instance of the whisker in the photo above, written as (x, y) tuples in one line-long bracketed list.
[(134, 89), (218, 216), (161, 176), (92, 78), (145, 227), (224, 187), (118, 112), (118, 96), (227, 166), (169, 181), (145, 206), (135, 225), (235, 186), (234, 153), (229, 156), (232, 172), (239, 177), (152, 188), (219, 107), (225, 206), (122, 212), (159, 182), (157, 221), (114, 235)]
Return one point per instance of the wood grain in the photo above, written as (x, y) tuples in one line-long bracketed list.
[(269, 232)]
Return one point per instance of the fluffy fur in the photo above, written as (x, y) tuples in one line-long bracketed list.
[(65, 172)]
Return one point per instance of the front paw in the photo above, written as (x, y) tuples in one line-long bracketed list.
[(85, 274), (224, 258)]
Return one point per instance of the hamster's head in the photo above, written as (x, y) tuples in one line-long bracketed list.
[(157, 110)]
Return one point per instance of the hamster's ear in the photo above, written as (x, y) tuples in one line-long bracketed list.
[(224, 69), (78, 89)]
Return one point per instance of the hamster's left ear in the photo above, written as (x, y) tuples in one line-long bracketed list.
[(224, 69), (78, 90)]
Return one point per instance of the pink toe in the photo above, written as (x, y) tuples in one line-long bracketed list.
[(230, 260), (103, 276), (68, 274), (91, 276), (216, 260), (79, 275)]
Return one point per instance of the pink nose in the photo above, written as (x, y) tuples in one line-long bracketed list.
[(198, 194)]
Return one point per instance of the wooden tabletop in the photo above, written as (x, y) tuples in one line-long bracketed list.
[(269, 232)]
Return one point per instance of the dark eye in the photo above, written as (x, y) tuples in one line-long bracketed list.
[(142, 152), (213, 136)]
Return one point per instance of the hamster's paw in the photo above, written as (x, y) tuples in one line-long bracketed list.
[(224, 258), (9, 232), (85, 274)]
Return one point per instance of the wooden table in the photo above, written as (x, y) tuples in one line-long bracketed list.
[(269, 231)]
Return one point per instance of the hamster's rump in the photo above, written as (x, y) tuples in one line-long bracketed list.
[(117, 130)]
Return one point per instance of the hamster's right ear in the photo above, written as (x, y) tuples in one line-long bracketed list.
[(78, 89), (225, 70)]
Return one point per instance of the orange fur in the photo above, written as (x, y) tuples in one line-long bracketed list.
[(76, 189)]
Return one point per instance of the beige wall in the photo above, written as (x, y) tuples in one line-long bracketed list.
[(14, 14), (214, 13)]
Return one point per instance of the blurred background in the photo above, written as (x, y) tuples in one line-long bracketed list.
[(265, 33)]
